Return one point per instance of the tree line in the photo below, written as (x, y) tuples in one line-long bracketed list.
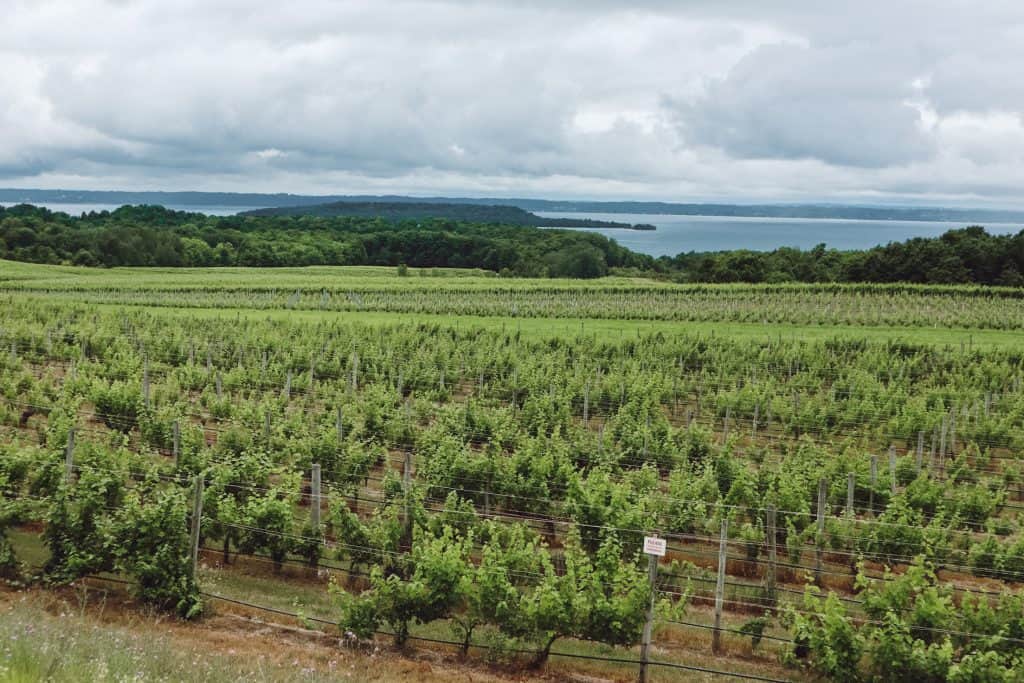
[(154, 236)]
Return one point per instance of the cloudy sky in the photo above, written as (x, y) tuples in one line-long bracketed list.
[(743, 100)]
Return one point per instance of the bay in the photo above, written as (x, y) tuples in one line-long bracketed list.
[(677, 234)]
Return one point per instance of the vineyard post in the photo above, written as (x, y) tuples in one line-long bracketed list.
[(725, 424), (586, 405), (314, 510), (197, 514), (645, 643), (851, 483), (920, 450), (145, 381), (406, 483), (288, 386), (355, 371), (647, 432), (314, 485), (176, 442), (942, 442), (952, 433), (874, 480), (716, 635), (401, 384), (988, 402), (69, 456), (266, 426), (892, 468), (339, 426), (515, 387), (819, 537), (209, 360), (441, 380), (753, 423), (772, 539), (219, 383)]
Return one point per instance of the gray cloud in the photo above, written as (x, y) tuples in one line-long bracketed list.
[(697, 100)]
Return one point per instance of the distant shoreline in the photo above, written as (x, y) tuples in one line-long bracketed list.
[(247, 201)]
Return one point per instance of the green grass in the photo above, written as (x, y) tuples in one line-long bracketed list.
[(545, 328), (50, 639)]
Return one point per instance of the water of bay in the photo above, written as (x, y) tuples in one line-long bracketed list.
[(676, 234)]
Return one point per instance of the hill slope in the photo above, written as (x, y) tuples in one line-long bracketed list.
[(477, 213)]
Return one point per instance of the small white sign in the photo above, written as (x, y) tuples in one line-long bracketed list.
[(654, 546)]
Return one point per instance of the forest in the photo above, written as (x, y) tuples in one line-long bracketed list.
[(154, 236)]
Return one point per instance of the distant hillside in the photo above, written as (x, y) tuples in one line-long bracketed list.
[(475, 213), (246, 200)]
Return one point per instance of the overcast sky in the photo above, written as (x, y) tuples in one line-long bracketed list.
[(866, 102)]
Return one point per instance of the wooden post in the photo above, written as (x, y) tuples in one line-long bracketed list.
[(288, 386), (197, 516), (921, 450), (716, 635), (266, 426), (952, 434), (401, 384), (176, 442), (647, 431), (772, 539), (586, 405), (725, 424), (406, 484), (314, 509), (69, 456), (851, 483), (645, 643), (339, 425), (892, 468), (874, 480), (219, 384), (753, 423), (942, 442), (145, 381), (355, 371), (822, 495)]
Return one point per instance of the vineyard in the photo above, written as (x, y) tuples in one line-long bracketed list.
[(837, 507)]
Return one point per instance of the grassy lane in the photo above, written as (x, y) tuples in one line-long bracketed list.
[(544, 328)]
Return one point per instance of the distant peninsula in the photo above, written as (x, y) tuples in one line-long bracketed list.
[(245, 201), (475, 213)]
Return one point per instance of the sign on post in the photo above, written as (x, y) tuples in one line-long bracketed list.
[(654, 546)]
